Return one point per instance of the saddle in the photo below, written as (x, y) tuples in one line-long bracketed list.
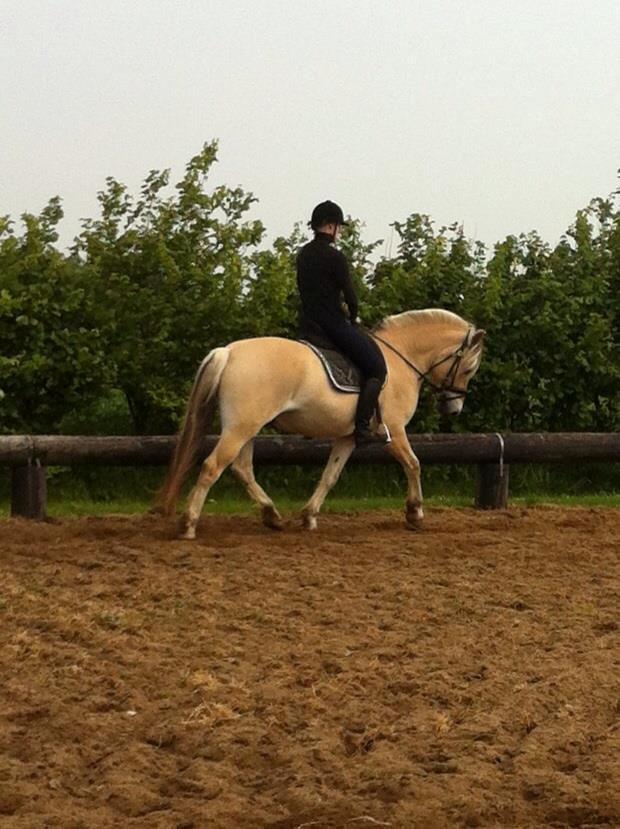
[(341, 372), (343, 375)]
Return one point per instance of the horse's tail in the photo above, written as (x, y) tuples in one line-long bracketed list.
[(200, 407)]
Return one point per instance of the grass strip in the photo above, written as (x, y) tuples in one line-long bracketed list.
[(231, 505)]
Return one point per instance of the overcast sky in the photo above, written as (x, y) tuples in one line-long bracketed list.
[(500, 114)]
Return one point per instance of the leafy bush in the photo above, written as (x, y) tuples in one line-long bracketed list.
[(53, 355), (113, 332)]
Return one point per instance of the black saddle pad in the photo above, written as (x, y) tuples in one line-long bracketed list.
[(342, 373)]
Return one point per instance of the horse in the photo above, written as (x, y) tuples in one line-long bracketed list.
[(279, 382)]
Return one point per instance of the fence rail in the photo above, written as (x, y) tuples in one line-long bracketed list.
[(28, 455)]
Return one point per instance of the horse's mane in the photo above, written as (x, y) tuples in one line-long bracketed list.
[(423, 317)]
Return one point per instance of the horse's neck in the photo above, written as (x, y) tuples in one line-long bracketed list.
[(423, 344)]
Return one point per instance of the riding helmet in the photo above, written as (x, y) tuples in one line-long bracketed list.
[(327, 212)]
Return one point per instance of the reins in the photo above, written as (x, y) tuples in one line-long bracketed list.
[(446, 385)]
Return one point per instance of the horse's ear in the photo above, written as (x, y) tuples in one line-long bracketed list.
[(478, 337)]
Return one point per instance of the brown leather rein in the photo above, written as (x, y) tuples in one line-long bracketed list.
[(446, 386)]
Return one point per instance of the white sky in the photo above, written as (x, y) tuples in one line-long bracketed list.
[(501, 114)]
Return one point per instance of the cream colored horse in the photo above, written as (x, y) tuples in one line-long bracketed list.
[(270, 380)]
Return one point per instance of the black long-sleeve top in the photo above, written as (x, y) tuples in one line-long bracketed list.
[(322, 278)]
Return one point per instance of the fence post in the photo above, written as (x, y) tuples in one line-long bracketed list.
[(492, 486), (29, 491)]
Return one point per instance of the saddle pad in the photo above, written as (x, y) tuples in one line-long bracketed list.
[(342, 374)]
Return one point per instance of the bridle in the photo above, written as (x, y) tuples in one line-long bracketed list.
[(447, 383), (447, 388)]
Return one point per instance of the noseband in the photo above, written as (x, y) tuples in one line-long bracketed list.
[(449, 391)]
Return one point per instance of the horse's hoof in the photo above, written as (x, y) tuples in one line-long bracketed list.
[(272, 518), (186, 530), (416, 526), (309, 522), (414, 516)]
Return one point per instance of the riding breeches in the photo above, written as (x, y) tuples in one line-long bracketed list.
[(359, 348)]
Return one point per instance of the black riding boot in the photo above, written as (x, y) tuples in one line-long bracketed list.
[(366, 406)]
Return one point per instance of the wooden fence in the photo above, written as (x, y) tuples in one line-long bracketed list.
[(29, 455)]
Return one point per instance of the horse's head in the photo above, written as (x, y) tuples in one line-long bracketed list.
[(440, 347), (451, 374)]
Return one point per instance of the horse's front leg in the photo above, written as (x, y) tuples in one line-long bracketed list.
[(340, 454), (402, 451)]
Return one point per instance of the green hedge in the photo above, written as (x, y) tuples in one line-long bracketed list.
[(106, 337)]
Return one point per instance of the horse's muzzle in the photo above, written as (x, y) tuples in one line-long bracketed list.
[(450, 406)]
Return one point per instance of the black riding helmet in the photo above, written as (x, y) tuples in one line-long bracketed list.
[(325, 213)]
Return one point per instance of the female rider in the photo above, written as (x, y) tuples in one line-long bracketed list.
[(322, 277)]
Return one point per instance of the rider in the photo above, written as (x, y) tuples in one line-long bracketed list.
[(322, 276)]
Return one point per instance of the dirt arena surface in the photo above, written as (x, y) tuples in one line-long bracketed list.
[(360, 676)]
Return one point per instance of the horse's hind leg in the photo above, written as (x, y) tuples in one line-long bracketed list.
[(340, 454), (225, 452), (244, 470)]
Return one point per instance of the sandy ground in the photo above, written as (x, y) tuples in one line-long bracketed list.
[(361, 676)]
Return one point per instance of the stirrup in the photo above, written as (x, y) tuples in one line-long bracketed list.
[(366, 437)]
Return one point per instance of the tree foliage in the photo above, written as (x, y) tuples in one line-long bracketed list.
[(155, 281), (52, 339), (170, 268)]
